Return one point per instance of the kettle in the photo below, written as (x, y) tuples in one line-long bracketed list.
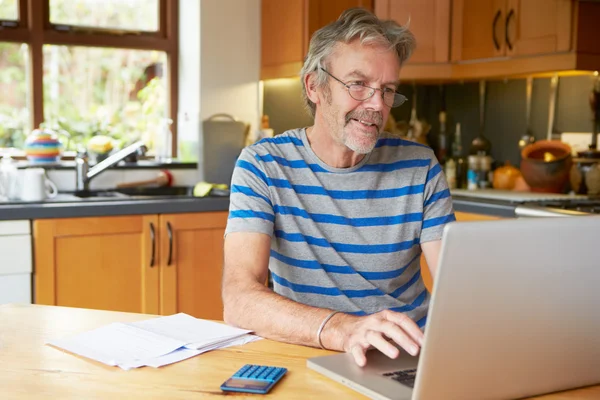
[(43, 145)]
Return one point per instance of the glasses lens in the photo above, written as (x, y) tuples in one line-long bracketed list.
[(396, 100), (360, 92)]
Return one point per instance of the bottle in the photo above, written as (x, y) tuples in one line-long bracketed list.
[(473, 172), (450, 171), (442, 141), (162, 146), (459, 159)]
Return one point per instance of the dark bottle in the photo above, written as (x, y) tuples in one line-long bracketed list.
[(442, 140), (459, 159)]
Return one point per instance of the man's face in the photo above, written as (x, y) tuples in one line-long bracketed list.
[(357, 124)]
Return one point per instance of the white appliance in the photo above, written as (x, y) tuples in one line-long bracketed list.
[(15, 262)]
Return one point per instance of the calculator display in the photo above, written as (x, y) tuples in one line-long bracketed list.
[(241, 383)]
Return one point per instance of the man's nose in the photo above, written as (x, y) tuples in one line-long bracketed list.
[(376, 102)]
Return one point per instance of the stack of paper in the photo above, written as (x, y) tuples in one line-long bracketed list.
[(154, 342)]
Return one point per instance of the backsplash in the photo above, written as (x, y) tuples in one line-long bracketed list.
[(504, 111)]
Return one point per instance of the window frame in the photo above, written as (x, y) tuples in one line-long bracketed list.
[(34, 28)]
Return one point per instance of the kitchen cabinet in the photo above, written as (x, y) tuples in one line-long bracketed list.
[(429, 21), (286, 28), (485, 29), (156, 264), (492, 38), (460, 217)]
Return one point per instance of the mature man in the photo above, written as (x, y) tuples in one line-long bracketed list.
[(338, 214)]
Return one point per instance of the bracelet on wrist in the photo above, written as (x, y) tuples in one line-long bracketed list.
[(327, 318)]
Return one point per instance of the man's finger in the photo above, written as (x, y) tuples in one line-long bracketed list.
[(401, 337), (408, 325), (358, 352), (380, 343)]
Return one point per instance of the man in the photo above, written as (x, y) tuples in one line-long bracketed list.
[(338, 214)]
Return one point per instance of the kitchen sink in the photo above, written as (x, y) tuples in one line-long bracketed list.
[(143, 192)]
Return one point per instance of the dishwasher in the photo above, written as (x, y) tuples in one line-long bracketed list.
[(15, 262)]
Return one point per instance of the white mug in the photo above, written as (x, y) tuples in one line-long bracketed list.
[(36, 186)]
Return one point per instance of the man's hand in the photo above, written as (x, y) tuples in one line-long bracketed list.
[(360, 333)]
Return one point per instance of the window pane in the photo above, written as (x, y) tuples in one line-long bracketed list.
[(90, 91), (8, 10), (14, 113), (134, 15)]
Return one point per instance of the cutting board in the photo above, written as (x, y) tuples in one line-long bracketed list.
[(509, 195)]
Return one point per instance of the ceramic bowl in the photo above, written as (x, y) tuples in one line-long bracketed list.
[(545, 165)]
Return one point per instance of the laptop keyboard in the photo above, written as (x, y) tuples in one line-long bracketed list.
[(405, 376)]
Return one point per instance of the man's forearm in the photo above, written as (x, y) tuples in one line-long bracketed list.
[(256, 307)]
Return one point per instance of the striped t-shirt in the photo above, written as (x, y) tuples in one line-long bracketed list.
[(345, 239)]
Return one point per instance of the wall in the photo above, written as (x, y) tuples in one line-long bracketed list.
[(504, 109), (220, 63)]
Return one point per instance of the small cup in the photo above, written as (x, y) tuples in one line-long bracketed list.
[(36, 186)]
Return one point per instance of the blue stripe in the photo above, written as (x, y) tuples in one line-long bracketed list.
[(296, 164), (356, 222), (333, 291), (408, 307), (250, 167), (345, 247), (438, 221), (281, 140), (341, 269), (421, 323), (416, 303), (398, 142), (433, 172), (348, 194), (251, 214), (404, 164), (396, 293), (249, 192), (437, 196)]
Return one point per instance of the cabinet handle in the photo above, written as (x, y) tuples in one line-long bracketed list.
[(170, 233), (511, 14), (496, 18), (153, 239)]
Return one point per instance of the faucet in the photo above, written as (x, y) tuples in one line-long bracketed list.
[(83, 172)]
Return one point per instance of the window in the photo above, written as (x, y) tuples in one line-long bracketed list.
[(88, 67), (14, 112), (8, 10)]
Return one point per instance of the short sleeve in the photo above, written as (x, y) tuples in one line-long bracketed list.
[(250, 205), (437, 204)]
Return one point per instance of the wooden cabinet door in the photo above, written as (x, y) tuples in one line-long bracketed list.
[(538, 26), (283, 33), (108, 263), (322, 12), (192, 263), (286, 28), (429, 22), (478, 29)]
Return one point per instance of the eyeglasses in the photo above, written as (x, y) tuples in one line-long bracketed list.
[(361, 92)]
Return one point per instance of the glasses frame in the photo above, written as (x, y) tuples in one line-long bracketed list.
[(397, 96)]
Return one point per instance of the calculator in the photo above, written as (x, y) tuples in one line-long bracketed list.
[(254, 379)]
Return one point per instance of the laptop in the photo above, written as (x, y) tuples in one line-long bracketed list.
[(515, 312)]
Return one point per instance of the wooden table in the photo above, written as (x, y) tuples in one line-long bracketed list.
[(31, 369)]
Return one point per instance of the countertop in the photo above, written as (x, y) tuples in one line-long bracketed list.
[(67, 207)]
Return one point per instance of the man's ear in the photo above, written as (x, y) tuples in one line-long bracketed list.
[(311, 87)]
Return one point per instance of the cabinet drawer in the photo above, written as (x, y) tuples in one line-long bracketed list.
[(19, 227), (15, 288), (15, 254)]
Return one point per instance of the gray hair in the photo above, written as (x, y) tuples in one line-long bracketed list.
[(352, 24)]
